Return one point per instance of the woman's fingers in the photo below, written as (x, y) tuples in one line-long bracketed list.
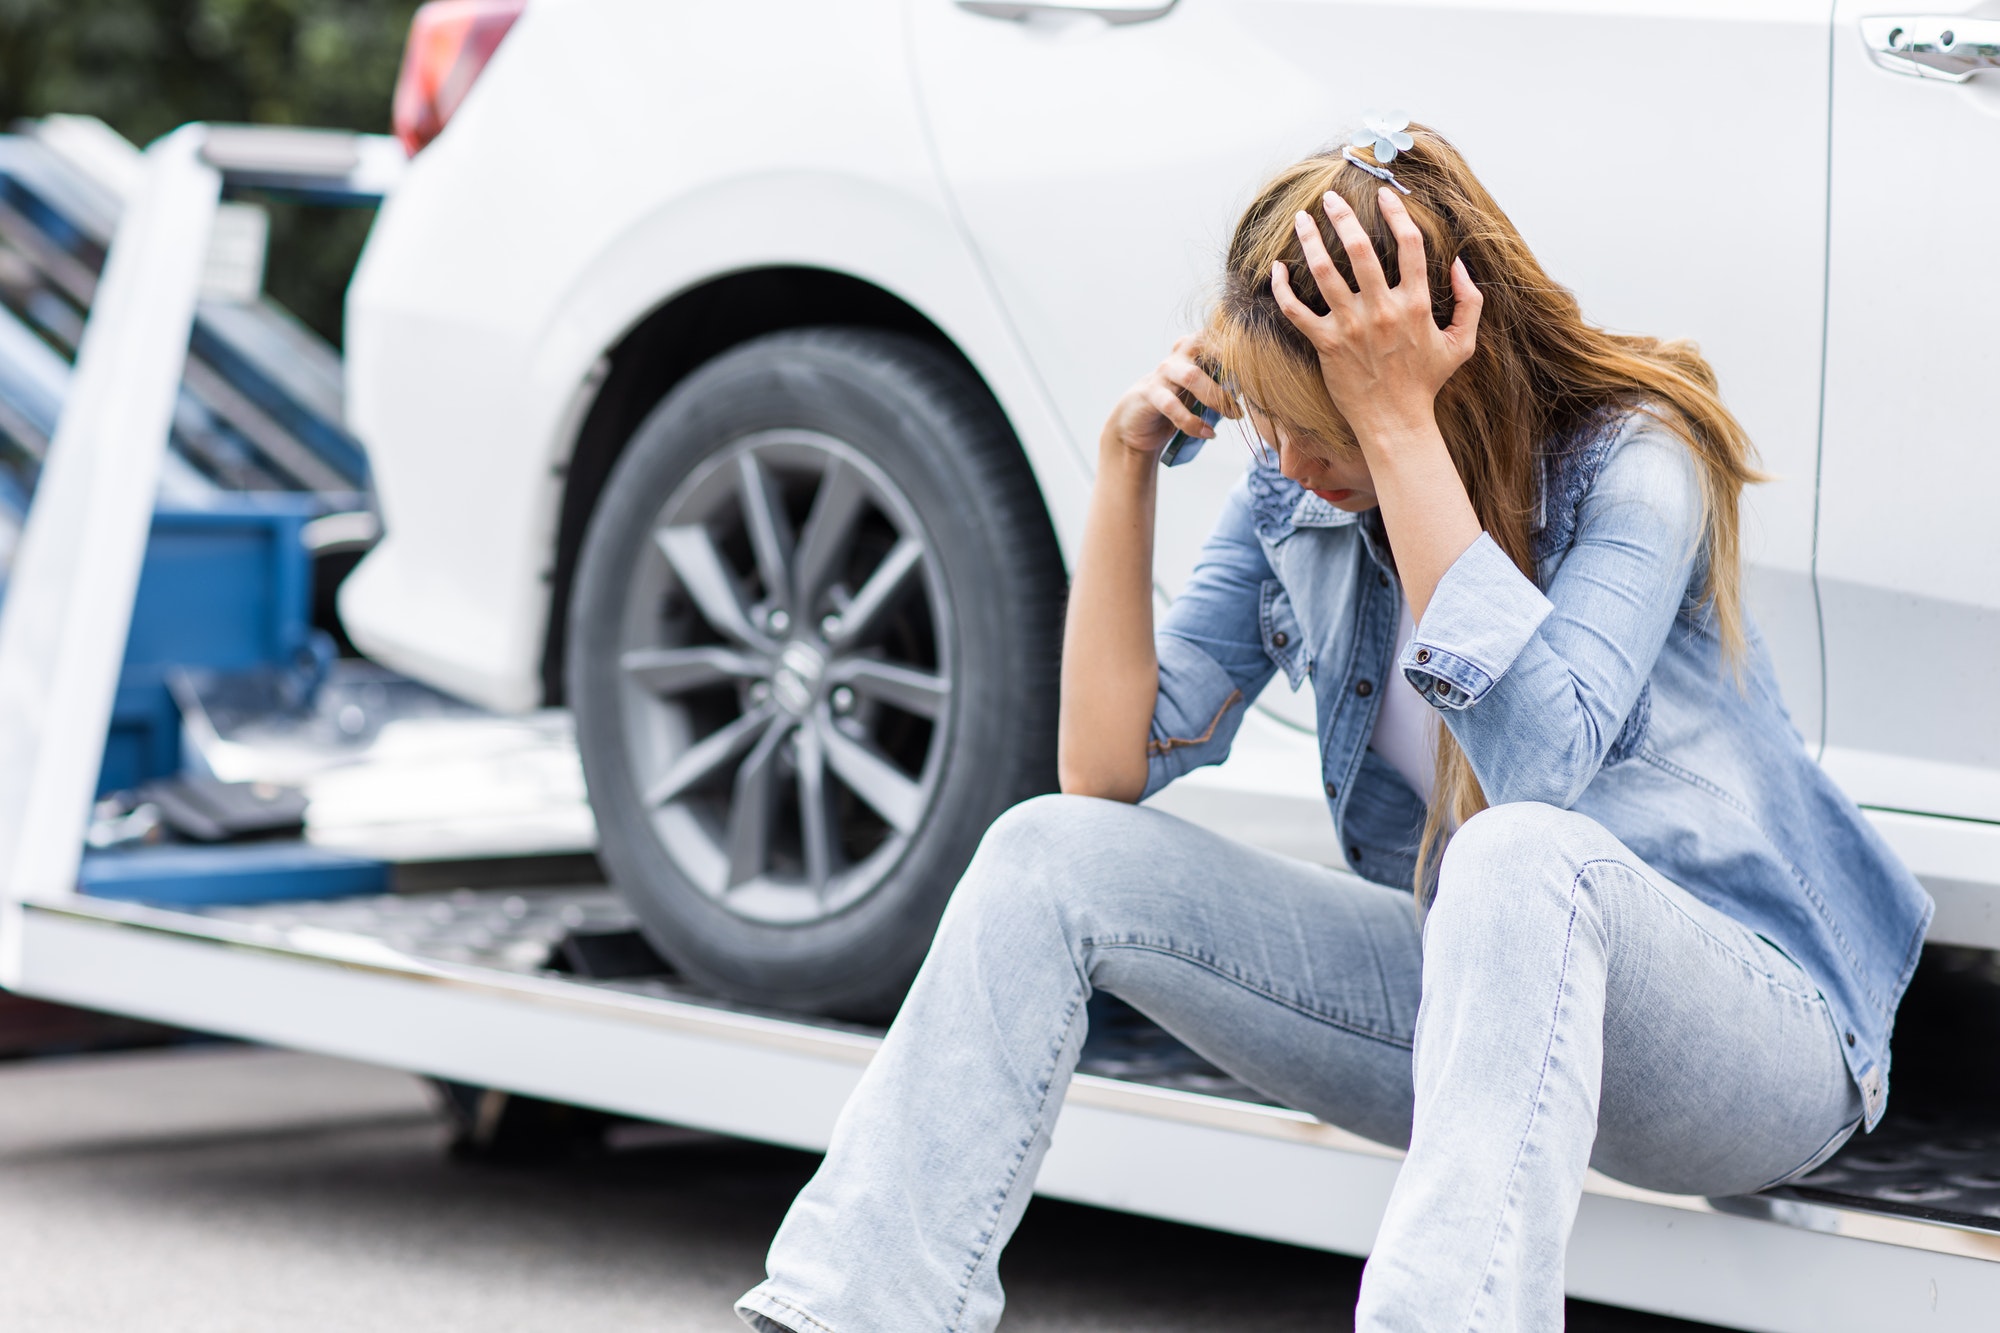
[(1332, 286), (1297, 311), (1191, 349), (1368, 275), (1467, 300), (1169, 405), (1189, 375), (1410, 260)]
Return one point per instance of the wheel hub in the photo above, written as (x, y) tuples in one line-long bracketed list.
[(795, 683)]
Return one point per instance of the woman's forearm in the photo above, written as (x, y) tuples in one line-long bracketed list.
[(1110, 675), (1425, 509)]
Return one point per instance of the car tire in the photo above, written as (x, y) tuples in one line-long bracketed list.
[(812, 653)]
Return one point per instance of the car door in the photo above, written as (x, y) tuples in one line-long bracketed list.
[(1909, 554), (1666, 160)]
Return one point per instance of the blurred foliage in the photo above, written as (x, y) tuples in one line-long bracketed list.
[(146, 66)]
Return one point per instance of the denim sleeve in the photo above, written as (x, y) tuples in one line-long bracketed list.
[(1535, 688), (1211, 651)]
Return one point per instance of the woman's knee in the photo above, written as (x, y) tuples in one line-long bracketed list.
[(1047, 853), (1052, 830), (1505, 853)]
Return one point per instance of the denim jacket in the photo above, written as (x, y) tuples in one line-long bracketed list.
[(1598, 686)]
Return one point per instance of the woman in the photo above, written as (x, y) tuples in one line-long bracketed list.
[(1503, 545)]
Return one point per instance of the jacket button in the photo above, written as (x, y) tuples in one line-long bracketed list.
[(1331, 790), (1280, 639), (1381, 578), (1364, 688), (1850, 1039), (1423, 655), (1353, 852)]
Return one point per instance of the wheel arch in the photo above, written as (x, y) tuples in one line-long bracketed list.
[(661, 350)]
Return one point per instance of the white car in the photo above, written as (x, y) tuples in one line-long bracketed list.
[(731, 373)]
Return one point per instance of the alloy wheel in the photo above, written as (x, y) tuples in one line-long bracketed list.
[(786, 676)]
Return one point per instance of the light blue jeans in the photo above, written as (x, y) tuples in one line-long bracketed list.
[(1576, 1010)]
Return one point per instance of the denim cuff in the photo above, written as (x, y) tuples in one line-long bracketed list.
[(767, 1312), (1192, 725), (1480, 618)]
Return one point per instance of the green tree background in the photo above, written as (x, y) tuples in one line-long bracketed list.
[(146, 66)]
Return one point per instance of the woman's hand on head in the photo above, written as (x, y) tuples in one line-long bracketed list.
[(1382, 355), (1149, 412)]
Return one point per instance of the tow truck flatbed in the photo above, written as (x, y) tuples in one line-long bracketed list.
[(1900, 1231), (457, 985)]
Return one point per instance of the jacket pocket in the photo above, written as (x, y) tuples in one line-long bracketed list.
[(1278, 626)]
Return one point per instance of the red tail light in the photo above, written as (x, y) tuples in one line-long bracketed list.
[(450, 43)]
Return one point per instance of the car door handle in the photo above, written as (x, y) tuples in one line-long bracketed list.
[(1111, 11), (1925, 46)]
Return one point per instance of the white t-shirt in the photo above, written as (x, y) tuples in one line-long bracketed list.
[(1406, 727)]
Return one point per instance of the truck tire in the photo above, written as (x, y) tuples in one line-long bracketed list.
[(812, 654)]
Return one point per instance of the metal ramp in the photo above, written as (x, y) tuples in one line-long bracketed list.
[(1894, 1234), (259, 406)]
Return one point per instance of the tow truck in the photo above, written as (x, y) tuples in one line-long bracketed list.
[(469, 943)]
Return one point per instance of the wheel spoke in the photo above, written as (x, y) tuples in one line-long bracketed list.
[(842, 494), (791, 543), (770, 531), (691, 551), (750, 806), (816, 820), (873, 778), (672, 671), (706, 757), (878, 592), (913, 691)]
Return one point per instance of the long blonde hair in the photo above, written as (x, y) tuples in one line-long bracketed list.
[(1538, 377)]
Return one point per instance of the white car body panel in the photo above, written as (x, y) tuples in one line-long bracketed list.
[(475, 324), (1909, 561), (1054, 195)]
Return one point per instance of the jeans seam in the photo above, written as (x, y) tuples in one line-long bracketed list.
[(1382, 973), (1534, 1115), (984, 1245), (1215, 968), (1730, 950)]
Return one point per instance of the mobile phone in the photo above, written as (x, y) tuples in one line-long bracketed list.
[(1183, 447)]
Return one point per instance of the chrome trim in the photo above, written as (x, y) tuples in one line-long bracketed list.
[(1019, 11), (1947, 48)]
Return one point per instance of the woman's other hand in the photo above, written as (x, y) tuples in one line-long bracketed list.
[(1381, 353), (1110, 676), (1149, 413), (1384, 358)]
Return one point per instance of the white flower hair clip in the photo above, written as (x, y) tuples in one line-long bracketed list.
[(1385, 134)]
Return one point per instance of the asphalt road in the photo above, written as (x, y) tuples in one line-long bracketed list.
[(221, 1189)]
